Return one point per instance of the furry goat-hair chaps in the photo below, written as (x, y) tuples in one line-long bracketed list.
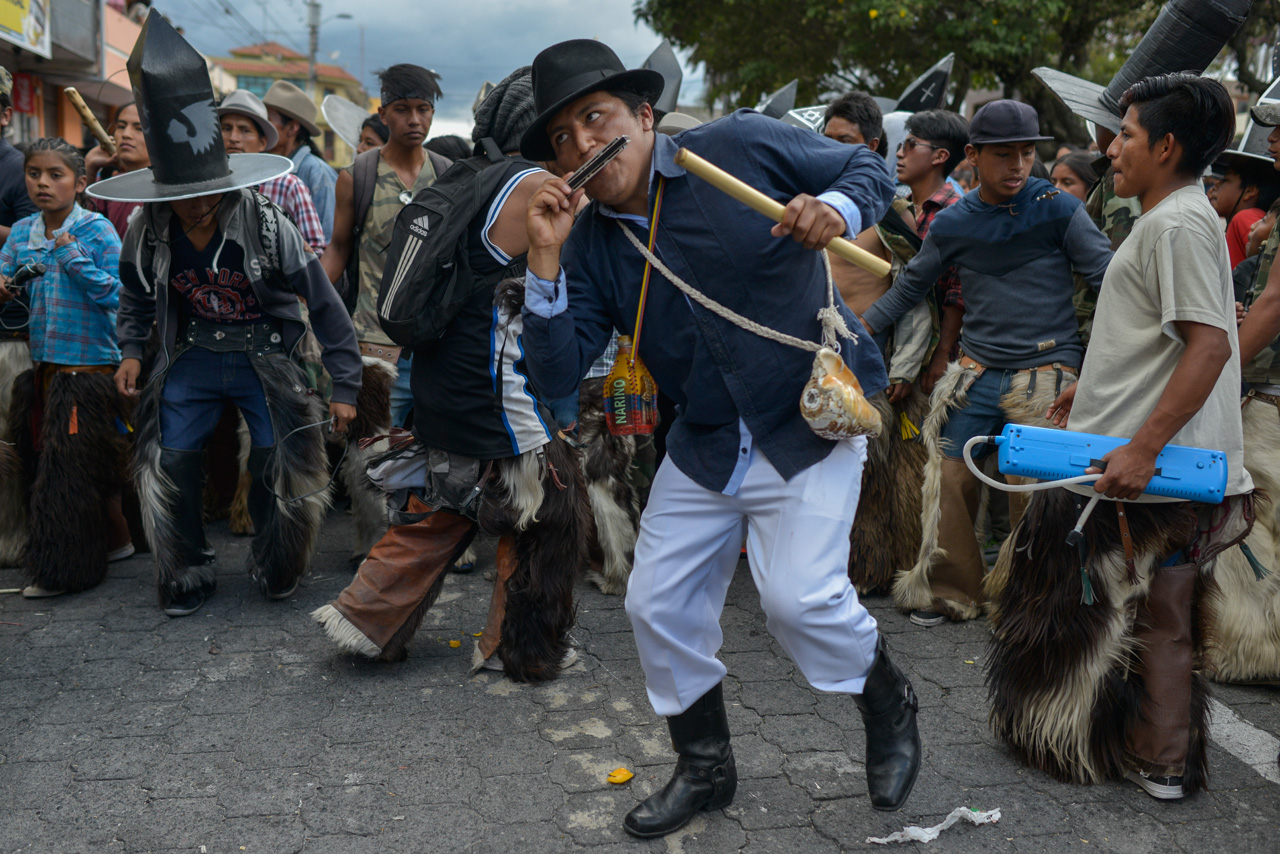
[(546, 500), (1062, 675), (15, 364), (79, 468), (298, 467), (1244, 608), (607, 461), (886, 530), (1021, 404)]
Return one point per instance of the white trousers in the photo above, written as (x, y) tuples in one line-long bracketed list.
[(797, 536)]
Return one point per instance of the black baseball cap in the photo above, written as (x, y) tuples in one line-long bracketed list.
[(1005, 121)]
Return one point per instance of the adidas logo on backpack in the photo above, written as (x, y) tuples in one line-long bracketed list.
[(421, 225)]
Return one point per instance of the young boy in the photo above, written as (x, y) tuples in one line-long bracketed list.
[(197, 264), (1248, 188), (1014, 244), (1113, 691)]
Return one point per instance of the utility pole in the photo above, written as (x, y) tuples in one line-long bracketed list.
[(313, 31)]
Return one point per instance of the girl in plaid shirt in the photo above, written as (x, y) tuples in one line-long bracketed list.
[(66, 421)]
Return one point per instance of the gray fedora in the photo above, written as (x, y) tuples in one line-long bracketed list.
[(242, 102)]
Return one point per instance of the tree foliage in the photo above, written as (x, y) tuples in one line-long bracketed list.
[(749, 47)]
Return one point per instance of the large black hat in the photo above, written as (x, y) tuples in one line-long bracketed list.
[(180, 122), (663, 60), (1186, 36), (777, 104), (565, 72)]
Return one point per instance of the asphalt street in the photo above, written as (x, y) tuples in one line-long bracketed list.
[(242, 729)]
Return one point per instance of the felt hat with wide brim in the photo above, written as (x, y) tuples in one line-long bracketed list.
[(242, 102), (245, 170), (293, 103), (565, 72), (1082, 97)]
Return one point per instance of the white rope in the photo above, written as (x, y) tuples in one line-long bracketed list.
[(833, 325)]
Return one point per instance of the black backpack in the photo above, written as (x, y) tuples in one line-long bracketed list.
[(364, 179), (428, 278)]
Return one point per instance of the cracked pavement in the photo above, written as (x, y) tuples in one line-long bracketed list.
[(242, 728)]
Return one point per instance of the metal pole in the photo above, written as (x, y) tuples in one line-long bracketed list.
[(313, 28)]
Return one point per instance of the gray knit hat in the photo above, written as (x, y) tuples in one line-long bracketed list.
[(508, 111)]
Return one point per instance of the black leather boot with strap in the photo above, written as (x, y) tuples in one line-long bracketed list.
[(705, 777), (888, 707)]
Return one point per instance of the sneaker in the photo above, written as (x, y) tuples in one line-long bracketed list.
[(928, 619), (494, 663), (282, 594), (35, 591), (125, 551), (187, 602), (1162, 788)]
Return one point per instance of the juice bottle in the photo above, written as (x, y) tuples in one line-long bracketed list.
[(630, 394)]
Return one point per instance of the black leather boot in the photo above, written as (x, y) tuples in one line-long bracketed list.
[(888, 707), (185, 594), (705, 777)]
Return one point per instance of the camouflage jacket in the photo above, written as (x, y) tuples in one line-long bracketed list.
[(1115, 217), (1265, 367)]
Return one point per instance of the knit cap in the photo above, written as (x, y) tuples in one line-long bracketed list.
[(508, 111)]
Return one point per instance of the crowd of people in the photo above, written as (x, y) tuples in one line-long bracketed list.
[(213, 296)]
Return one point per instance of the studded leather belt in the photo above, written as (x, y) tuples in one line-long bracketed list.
[(237, 338), (381, 351)]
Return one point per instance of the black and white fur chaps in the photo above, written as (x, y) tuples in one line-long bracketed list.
[(1061, 674), (299, 467), (886, 531), (156, 496), (1021, 404), (607, 461), (539, 498), (15, 361), (79, 468)]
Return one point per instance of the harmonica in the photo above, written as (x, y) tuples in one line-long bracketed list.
[(598, 161)]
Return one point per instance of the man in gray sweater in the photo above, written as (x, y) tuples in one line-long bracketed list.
[(1015, 242)]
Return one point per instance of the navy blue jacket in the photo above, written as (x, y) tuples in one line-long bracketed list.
[(714, 371)]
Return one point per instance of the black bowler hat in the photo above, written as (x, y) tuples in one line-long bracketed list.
[(565, 72), (184, 137), (1005, 121)]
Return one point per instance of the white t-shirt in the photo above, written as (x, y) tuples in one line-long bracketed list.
[(1173, 266)]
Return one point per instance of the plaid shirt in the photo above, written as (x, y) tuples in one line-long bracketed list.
[(294, 199), (948, 282), (73, 305)]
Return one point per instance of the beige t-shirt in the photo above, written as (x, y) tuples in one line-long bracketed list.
[(1173, 266)]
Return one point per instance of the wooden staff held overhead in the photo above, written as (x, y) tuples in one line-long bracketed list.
[(90, 120), (759, 202)]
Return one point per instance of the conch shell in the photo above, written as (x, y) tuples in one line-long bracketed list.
[(832, 401)]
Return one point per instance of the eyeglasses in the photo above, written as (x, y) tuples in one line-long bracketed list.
[(911, 142)]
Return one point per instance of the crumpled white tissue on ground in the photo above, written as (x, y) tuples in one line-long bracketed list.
[(928, 834)]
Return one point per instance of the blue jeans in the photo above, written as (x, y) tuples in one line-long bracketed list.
[(198, 386), (401, 393), (981, 416)]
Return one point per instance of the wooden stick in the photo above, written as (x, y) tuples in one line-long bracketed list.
[(759, 202), (90, 120)]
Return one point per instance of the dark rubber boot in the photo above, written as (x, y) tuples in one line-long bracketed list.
[(705, 778), (888, 707)]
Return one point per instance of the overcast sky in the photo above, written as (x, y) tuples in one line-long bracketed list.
[(466, 42)]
